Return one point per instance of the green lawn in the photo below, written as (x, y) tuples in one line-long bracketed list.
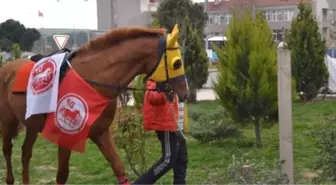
[(207, 162), (213, 66)]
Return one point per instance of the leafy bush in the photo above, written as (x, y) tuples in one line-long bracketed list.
[(211, 126), (254, 172), (326, 164), (130, 137), (138, 96)]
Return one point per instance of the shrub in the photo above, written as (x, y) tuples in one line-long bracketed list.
[(326, 163), (212, 126), (254, 172), (130, 136), (138, 95)]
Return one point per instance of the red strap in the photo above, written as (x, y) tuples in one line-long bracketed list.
[(123, 180)]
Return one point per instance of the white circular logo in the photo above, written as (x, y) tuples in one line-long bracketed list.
[(72, 113), (43, 76)]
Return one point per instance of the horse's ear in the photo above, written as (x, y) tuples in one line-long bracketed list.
[(173, 37), (175, 29)]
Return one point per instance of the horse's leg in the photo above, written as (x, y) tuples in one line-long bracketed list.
[(33, 125), (106, 145), (63, 165), (8, 131), (27, 151)]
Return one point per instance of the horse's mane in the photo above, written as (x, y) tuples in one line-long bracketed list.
[(118, 35)]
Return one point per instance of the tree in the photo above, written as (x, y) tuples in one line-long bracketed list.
[(191, 20), (308, 50), (247, 82), (5, 44), (28, 38), (196, 62), (16, 53), (12, 31)]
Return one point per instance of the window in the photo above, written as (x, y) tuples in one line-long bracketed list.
[(217, 18), (279, 15), (268, 15), (227, 18), (324, 13), (211, 21), (274, 15), (288, 15), (264, 14), (291, 15), (324, 32), (222, 20), (331, 15)]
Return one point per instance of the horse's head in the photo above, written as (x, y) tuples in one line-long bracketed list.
[(169, 73)]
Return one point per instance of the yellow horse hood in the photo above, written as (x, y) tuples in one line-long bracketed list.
[(172, 56)]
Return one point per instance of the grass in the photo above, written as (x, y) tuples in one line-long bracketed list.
[(212, 66), (207, 162)]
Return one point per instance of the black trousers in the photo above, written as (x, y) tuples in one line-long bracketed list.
[(174, 156)]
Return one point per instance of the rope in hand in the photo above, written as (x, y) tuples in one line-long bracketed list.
[(176, 120)]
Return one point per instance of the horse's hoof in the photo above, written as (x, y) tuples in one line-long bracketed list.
[(10, 182)]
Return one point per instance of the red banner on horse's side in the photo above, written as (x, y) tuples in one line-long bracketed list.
[(78, 106)]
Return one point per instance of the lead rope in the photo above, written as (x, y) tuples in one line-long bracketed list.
[(176, 120)]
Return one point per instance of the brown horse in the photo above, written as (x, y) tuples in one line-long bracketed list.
[(115, 58)]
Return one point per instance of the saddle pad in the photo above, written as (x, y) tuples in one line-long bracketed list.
[(22, 77)]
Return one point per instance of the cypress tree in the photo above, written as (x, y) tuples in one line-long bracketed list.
[(247, 84), (308, 50)]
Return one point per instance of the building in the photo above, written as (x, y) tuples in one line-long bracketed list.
[(325, 11), (278, 13), (120, 13)]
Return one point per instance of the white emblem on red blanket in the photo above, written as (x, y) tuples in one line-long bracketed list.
[(71, 113)]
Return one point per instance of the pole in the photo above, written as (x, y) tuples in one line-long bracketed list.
[(253, 9), (74, 46), (113, 14), (206, 34), (285, 112)]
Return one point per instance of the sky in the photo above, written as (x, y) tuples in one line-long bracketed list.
[(75, 14)]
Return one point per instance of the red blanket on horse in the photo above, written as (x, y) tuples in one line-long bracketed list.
[(79, 105), (22, 77)]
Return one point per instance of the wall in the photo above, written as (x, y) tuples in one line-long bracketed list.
[(105, 14), (121, 13)]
